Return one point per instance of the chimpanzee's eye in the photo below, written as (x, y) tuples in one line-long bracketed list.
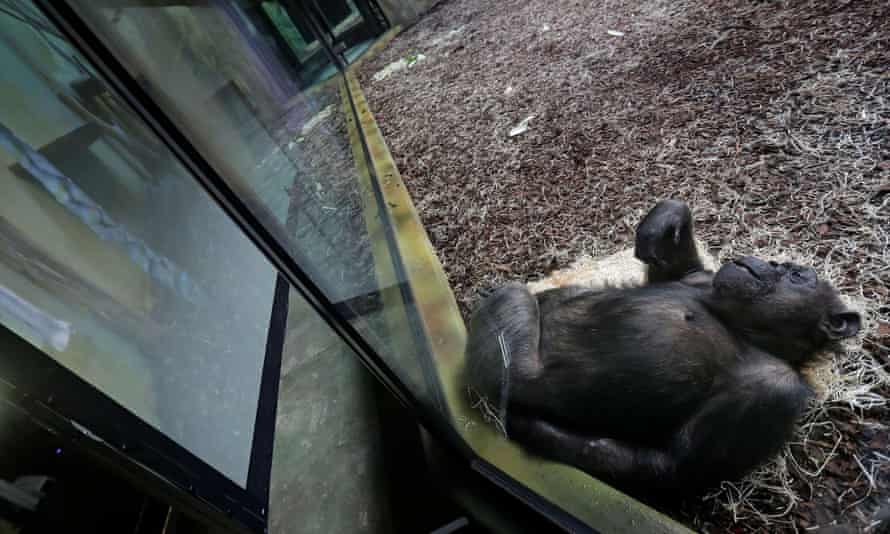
[(796, 277)]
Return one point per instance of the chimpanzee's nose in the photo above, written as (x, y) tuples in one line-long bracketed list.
[(757, 267)]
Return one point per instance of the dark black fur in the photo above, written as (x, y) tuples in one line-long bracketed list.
[(690, 379)]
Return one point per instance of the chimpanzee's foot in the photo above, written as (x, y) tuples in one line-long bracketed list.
[(665, 243), (544, 439)]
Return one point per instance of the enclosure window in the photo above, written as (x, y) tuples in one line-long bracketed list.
[(115, 263), (244, 85)]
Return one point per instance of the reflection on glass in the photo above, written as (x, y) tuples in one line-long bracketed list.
[(295, 32), (230, 85), (114, 262), (336, 16), (347, 25)]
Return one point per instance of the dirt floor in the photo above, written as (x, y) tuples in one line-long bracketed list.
[(772, 119)]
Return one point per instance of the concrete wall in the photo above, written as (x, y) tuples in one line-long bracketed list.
[(405, 12)]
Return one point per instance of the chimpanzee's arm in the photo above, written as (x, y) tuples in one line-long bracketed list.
[(745, 424), (733, 432), (665, 242)]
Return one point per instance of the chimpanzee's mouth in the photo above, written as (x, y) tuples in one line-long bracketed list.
[(741, 264)]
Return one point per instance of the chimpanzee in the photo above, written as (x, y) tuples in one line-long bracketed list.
[(674, 385)]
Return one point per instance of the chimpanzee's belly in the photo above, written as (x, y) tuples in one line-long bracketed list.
[(632, 368)]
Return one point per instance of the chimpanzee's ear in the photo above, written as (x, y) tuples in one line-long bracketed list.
[(841, 325)]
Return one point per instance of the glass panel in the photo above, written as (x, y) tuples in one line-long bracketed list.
[(328, 475), (287, 151), (114, 262)]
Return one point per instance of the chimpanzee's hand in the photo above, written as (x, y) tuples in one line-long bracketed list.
[(664, 237)]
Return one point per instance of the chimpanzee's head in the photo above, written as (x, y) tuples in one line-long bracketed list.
[(783, 308)]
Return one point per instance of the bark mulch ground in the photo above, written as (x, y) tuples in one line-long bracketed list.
[(772, 119)]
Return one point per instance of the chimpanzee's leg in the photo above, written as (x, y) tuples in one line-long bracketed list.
[(665, 242), (503, 347), (606, 459), (738, 428)]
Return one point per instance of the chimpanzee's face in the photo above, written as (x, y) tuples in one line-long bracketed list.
[(750, 278), (769, 299)]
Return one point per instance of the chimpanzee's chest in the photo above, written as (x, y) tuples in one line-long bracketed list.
[(646, 360), (645, 330)]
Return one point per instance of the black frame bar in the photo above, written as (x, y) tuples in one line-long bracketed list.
[(259, 470)]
